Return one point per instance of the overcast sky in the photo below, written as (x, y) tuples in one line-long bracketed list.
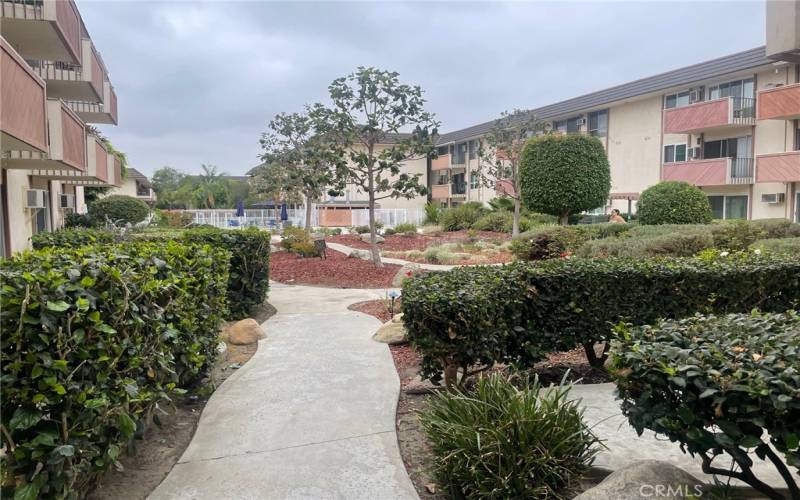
[(198, 82)]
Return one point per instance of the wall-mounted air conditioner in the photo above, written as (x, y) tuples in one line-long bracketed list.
[(67, 200), (581, 121), (695, 95), (773, 198), (35, 198), (693, 153)]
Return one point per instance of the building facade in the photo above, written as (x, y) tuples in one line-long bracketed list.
[(136, 185), (53, 82)]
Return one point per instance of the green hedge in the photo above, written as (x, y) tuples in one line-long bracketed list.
[(673, 202), (119, 209), (716, 385), (93, 338), (778, 245), (463, 216), (517, 313), (71, 238)]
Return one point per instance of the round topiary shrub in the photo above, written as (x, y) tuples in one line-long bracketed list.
[(674, 202), (119, 209), (564, 174)]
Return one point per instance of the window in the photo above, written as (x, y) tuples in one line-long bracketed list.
[(728, 207), (598, 123), (674, 153), (474, 180), (443, 150), (737, 88), (461, 154), (573, 125), (473, 149), (560, 126), (676, 100), (796, 136), (735, 147)]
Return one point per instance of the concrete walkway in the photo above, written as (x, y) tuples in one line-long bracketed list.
[(311, 415), (390, 260)]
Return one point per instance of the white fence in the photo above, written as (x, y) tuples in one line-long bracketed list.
[(271, 218)]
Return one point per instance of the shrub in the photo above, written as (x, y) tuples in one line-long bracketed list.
[(432, 212), (407, 228), (736, 235), (717, 385), (439, 255), (779, 245), (173, 218), (74, 219), (498, 221), (778, 228), (360, 229), (672, 245), (477, 316), (389, 231), (71, 238), (119, 209), (561, 175), (673, 202), (94, 338), (548, 242), (462, 217), (498, 441), (537, 219), (607, 230), (248, 280)]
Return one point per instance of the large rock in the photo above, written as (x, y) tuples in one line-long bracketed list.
[(244, 332), (366, 239), (404, 273), (360, 254), (646, 479), (392, 332)]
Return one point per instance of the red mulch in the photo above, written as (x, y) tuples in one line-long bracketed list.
[(337, 271), (553, 369), (399, 242), (406, 361), (377, 308)]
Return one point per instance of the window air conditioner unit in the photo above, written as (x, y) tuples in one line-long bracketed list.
[(695, 95), (773, 198), (581, 121), (35, 198), (693, 153), (67, 200)]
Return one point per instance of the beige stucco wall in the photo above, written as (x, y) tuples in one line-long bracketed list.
[(20, 222)]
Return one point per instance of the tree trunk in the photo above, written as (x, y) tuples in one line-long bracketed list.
[(376, 255), (450, 376), (308, 213), (564, 219), (515, 224)]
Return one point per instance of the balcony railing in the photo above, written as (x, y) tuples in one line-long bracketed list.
[(779, 103), (778, 167), (23, 116), (442, 162), (458, 189), (711, 171), (43, 29), (74, 82), (710, 115), (741, 171)]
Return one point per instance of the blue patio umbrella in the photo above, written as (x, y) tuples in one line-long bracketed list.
[(240, 208), (284, 212)]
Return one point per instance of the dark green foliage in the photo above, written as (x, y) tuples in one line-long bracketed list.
[(515, 314), (779, 245), (498, 441), (778, 228), (71, 238), (407, 228), (74, 219), (462, 217), (93, 338), (736, 234), (673, 202), (361, 229), (248, 280), (119, 209), (716, 385), (549, 242), (562, 175), (501, 221), (432, 212), (676, 244)]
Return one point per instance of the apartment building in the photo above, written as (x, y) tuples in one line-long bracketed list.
[(54, 82), (729, 126), (137, 185)]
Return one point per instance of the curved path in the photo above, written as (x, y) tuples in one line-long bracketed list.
[(311, 415)]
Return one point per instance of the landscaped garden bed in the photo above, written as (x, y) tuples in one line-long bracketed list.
[(336, 271), (406, 242)]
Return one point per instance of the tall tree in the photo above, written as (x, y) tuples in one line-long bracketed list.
[(372, 107), (500, 154), (301, 150), (212, 187)]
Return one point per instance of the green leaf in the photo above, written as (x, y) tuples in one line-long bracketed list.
[(59, 306), (24, 418), (126, 425), (65, 450), (29, 491), (95, 403)]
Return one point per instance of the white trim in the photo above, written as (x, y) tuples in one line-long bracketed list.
[(685, 153)]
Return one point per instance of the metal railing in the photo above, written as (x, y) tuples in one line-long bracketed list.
[(271, 218), (458, 188), (741, 171), (744, 109)]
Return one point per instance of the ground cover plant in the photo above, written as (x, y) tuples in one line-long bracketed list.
[(471, 318), (94, 338), (724, 385), (479, 252), (508, 438)]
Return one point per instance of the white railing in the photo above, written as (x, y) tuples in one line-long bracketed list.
[(389, 217), (271, 218)]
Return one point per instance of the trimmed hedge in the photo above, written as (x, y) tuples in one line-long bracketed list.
[(71, 238), (779, 245), (717, 385), (679, 244), (518, 313), (93, 339), (549, 242), (118, 208), (673, 202)]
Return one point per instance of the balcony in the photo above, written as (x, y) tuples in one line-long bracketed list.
[(440, 191), (115, 171), (710, 115), (23, 116), (778, 167), (98, 112), (67, 150), (74, 82), (442, 162), (779, 103), (711, 172), (45, 29)]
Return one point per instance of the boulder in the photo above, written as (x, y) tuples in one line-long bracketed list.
[(244, 332), (392, 332), (419, 386), (360, 254), (378, 238), (646, 479), (403, 273)]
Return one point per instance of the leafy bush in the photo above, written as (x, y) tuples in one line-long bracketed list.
[(93, 338), (432, 212), (498, 221), (462, 217), (717, 385), (549, 242), (389, 231), (498, 441), (672, 244), (74, 219), (736, 235), (439, 255), (673, 202), (173, 218), (71, 238), (119, 209), (561, 175), (778, 228), (248, 280), (537, 219), (361, 229), (407, 228), (477, 316), (779, 245)]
